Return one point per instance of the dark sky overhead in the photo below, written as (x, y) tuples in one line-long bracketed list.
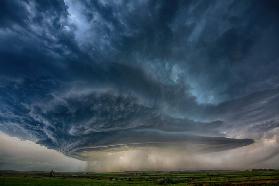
[(141, 78)]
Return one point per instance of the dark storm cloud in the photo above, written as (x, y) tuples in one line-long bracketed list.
[(211, 43), (75, 119), (79, 74), (253, 115), (11, 12)]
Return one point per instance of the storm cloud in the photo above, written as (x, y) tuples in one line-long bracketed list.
[(82, 76)]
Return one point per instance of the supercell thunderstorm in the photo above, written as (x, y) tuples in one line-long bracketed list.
[(87, 76)]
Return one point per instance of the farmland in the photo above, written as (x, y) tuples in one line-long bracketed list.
[(249, 177)]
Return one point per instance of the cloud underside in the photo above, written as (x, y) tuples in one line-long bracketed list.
[(258, 155), (102, 76)]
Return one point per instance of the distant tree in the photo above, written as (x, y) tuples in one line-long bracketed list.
[(51, 174)]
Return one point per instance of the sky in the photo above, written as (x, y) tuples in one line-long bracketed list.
[(117, 85)]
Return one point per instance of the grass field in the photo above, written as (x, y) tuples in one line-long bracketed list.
[(255, 177)]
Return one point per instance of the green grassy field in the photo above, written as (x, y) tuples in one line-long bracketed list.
[(258, 177)]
